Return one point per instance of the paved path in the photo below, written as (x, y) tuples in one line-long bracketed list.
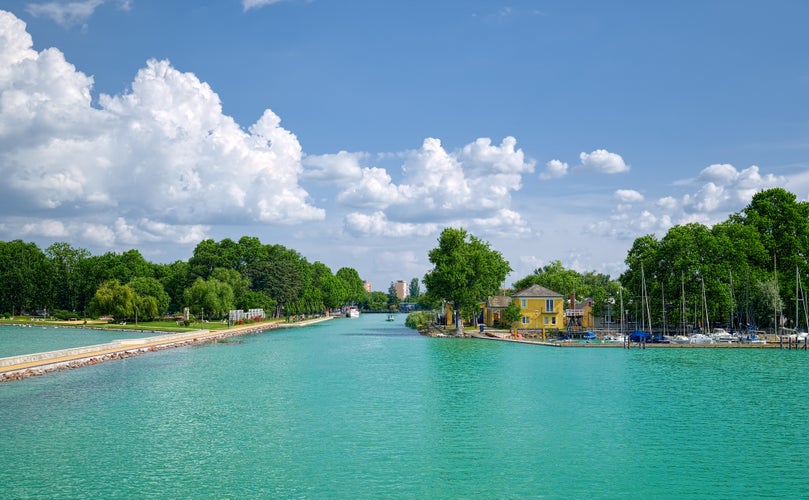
[(18, 367)]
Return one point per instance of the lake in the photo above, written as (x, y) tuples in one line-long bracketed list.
[(359, 408)]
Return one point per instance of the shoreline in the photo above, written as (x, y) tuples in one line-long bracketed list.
[(34, 364), (634, 345)]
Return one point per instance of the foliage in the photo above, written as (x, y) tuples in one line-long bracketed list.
[(25, 275), (114, 299), (419, 320), (465, 271), (376, 301), (393, 299), (147, 288), (512, 314), (354, 286), (209, 298), (414, 290), (746, 265)]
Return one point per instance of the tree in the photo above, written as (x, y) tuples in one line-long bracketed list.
[(354, 285), (465, 271), (256, 300), (377, 301), (512, 315), (25, 277), (414, 290), (393, 299), (237, 282), (67, 277), (212, 298), (114, 299), (146, 289), (334, 290), (281, 280), (175, 278)]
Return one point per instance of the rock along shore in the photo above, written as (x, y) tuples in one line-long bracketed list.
[(28, 365)]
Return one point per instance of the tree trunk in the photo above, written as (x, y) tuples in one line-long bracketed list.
[(458, 323)]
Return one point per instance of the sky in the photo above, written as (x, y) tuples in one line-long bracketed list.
[(355, 131)]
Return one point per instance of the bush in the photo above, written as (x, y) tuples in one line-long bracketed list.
[(419, 320), (62, 315)]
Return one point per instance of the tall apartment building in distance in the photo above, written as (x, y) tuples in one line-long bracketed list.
[(402, 289), (367, 286)]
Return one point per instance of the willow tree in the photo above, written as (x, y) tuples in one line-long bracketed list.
[(465, 271)]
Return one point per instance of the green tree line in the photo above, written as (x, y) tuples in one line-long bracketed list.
[(742, 271), (220, 276)]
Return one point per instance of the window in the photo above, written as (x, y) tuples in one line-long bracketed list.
[(553, 320), (523, 303), (525, 320), (549, 305), (546, 320)]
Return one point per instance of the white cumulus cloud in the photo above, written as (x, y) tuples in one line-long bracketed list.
[(436, 186), (628, 196), (554, 169), (162, 152), (602, 161)]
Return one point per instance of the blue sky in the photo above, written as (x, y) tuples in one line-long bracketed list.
[(355, 131)]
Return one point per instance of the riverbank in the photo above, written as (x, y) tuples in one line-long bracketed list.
[(504, 336), (28, 365)]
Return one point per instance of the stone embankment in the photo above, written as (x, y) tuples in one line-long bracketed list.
[(28, 365)]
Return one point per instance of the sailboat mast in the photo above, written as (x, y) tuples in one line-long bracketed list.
[(705, 306), (803, 298), (682, 306), (732, 302)]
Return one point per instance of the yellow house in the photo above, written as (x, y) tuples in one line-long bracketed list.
[(542, 309)]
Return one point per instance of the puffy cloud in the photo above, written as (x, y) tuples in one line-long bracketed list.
[(118, 232), (602, 161), (374, 189), (554, 169), (377, 224), (437, 186), (628, 196), (340, 167), (727, 189), (504, 223), (718, 190), (667, 203), (481, 158), (162, 152)]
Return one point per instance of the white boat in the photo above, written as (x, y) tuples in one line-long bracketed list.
[(353, 312), (680, 339), (720, 335), (699, 338)]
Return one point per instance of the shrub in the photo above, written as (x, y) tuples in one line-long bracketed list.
[(419, 320)]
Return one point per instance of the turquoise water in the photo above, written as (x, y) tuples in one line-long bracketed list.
[(16, 340), (368, 409)]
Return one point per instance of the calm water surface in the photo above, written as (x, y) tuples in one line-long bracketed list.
[(16, 340), (365, 408)]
